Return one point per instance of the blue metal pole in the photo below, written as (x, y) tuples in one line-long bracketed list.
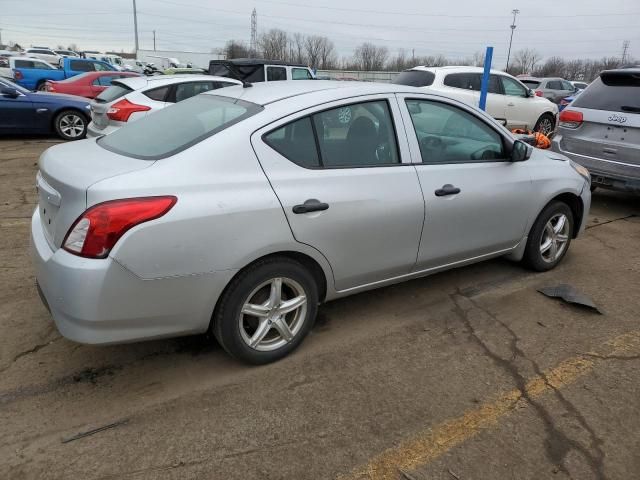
[(488, 56)]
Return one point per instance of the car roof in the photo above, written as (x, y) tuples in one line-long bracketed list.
[(36, 59), (259, 61), (264, 93), (138, 83), (455, 69)]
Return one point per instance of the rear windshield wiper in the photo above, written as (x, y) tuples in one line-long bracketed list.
[(627, 108)]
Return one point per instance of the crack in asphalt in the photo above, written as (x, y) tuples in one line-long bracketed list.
[(610, 221), (557, 443), (612, 357)]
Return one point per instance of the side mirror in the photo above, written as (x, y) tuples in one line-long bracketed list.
[(520, 151), (9, 92), (530, 92)]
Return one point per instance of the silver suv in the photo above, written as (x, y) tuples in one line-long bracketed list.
[(554, 89), (601, 130)]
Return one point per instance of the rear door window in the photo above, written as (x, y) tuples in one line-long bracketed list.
[(618, 92), (415, 78), (276, 73), (171, 130), (467, 81), (157, 94), (81, 66), (296, 142), (191, 89), (23, 63), (554, 85), (494, 85)]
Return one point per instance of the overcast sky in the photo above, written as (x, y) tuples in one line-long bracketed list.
[(455, 28)]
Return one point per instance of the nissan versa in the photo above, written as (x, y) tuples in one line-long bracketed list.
[(239, 210)]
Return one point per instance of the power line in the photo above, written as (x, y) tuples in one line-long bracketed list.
[(625, 49)]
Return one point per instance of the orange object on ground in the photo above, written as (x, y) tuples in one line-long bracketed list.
[(537, 139)]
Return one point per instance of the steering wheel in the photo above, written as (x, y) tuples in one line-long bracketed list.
[(432, 146), (383, 152)]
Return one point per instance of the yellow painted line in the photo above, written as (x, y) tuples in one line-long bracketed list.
[(429, 444)]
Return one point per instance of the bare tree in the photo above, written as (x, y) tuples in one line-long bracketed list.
[(552, 67), (298, 48), (327, 54), (526, 60), (478, 59), (236, 49), (370, 57), (313, 47), (273, 44)]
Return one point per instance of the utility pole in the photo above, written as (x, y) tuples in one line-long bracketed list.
[(154, 40), (253, 45), (135, 24), (513, 27), (625, 49)]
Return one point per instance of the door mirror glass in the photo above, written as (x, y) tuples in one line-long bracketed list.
[(9, 92), (521, 151)]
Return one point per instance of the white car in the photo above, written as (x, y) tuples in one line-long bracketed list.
[(509, 101), (130, 99), (44, 54)]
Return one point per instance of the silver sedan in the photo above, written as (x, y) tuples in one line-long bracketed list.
[(239, 211)]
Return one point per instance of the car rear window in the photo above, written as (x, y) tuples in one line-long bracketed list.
[(531, 83), (75, 78), (415, 78), (174, 129), (115, 91), (467, 81), (613, 92)]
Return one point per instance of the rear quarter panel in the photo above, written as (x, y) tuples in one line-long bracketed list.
[(226, 216)]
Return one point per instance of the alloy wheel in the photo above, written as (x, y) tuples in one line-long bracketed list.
[(555, 237), (273, 314), (72, 125), (546, 126)]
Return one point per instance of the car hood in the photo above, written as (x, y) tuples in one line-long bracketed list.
[(46, 97)]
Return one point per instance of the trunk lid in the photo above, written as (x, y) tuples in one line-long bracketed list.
[(66, 172)]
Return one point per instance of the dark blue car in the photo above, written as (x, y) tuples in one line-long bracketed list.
[(25, 112)]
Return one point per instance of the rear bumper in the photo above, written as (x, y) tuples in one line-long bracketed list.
[(605, 173), (101, 302)]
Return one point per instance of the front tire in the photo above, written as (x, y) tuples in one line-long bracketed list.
[(70, 125), (549, 238), (266, 311), (546, 124)]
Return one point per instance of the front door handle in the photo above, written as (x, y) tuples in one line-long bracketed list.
[(447, 189), (311, 205)]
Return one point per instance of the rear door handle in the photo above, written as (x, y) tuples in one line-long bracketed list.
[(311, 205), (447, 189)]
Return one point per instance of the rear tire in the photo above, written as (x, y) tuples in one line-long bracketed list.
[(253, 321), (545, 124), (549, 238), (41, 87), (71, 125)]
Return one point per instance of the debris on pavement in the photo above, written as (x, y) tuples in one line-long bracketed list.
[(569, 294), (95, 430)]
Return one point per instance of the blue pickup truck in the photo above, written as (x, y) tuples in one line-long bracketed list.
[(32, 73)]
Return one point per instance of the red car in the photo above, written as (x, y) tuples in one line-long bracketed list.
[(88, 84)]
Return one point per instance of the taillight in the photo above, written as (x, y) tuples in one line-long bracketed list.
[(122, 110), (539, 93), (570, 119), (94, 234), (18, 75)]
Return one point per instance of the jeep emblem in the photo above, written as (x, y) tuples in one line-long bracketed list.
[(617, 118)]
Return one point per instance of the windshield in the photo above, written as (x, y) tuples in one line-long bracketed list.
[(178, 127), (4, 82)]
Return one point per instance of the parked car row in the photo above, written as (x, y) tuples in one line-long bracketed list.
[(509, 101)]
